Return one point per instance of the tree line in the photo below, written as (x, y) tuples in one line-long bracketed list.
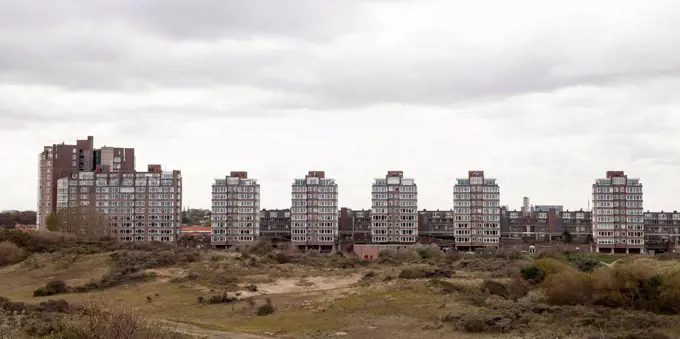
[(10, 218)]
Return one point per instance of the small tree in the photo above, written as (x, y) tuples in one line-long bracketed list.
[(82, 221), (53, 222), (566, 237)]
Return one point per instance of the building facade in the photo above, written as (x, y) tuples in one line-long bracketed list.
[(436, 224), (546, 224), (476, 204), (130, 206), (235, 210), (578, 223), (275, 224), (355, 226), (662, 230), (394, 209), (61, 160), (314, 211), (618, 215)]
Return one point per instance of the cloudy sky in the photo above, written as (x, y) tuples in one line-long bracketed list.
[(545, 96)]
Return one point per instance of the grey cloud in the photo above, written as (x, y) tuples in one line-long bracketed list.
[(328, 56), (193, 20)]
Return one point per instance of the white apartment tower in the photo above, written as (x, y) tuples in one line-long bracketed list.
[(235, 217), (314, 211), (394, 209), (477, 215), (618, 215)]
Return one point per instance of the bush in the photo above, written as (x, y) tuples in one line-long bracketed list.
[(225, 279), (552, 266), (261, 247), (533, 274), (624, 286), (221, 299), (252, 288), (446, 287), (422, 273), (484, 322), (266, 309), (495, 288), (282, 258), (430, 252), (568, 288), (116, 277), (11, 254), (114, 323), (53, 287), (452, 256)]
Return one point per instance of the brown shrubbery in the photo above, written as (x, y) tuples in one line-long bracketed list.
[(10, 253), (130, 266), (425, 272), (53, 287), (624, 286)]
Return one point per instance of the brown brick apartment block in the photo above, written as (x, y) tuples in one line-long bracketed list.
[(476, 207), (61, 160), (136, 206), (235, 212), (314, 211), (394, 209), (618, 217)]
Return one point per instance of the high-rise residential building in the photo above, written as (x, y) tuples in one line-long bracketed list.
[(477, 215), (394, 209), (235, 217), (618, 215), (314, 211), (61, 160), (130, 206)]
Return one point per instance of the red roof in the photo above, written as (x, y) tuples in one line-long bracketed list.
[(196, 229)]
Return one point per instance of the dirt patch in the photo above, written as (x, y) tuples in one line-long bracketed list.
[(312, 284), (200, 332)]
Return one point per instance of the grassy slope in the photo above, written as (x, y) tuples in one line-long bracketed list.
[(398, 309)]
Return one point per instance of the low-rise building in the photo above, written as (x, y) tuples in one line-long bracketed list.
[(662, 230), (355, 226), (435, 225), (275, 224)]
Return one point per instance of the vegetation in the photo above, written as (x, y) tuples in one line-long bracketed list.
[(420, 292), (53, 287), (8, 219), (84, 221), (10, 253)]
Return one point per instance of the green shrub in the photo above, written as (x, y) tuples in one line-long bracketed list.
[(533, 274), (266, 309), (53, 287)]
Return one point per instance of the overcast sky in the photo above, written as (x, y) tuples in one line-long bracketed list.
[(545, 96)]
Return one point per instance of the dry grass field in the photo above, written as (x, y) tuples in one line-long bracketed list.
[(260, 292)]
